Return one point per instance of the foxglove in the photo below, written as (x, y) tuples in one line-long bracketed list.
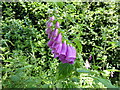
[(62, 55), (55, 46), (65, 53), (55, 33), (70, 55), (50, 35), (57, 25), (49, 24), (90, 57), (52, 18), (50, 43), (58, 38), (58, 50), (63, 60), (48, 31)]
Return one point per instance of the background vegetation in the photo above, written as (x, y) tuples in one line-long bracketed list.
[(91, 27)]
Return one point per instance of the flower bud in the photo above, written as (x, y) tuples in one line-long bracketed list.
[(48, 31), (57, 25), (52, 18), (58, 38), (90, 57), (55, 33), (49, 24)]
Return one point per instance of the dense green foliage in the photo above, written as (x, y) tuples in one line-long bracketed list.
[(91, 27)]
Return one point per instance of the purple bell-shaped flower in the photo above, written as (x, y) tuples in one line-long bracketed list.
[(50, 35), (62, 55), (63, 60), (55, 46), (71, 61), (58, 50), (50, 42), (73, 51), (71, 55)]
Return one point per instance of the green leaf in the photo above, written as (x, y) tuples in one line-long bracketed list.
[(60, 4), (118, 43), (26, 67), (59, 85), (65, 69), (81, 70), (79, 45), (45, 86), (15, 78), (106, 82), (114, 70), (70, 6), (75, 79)]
